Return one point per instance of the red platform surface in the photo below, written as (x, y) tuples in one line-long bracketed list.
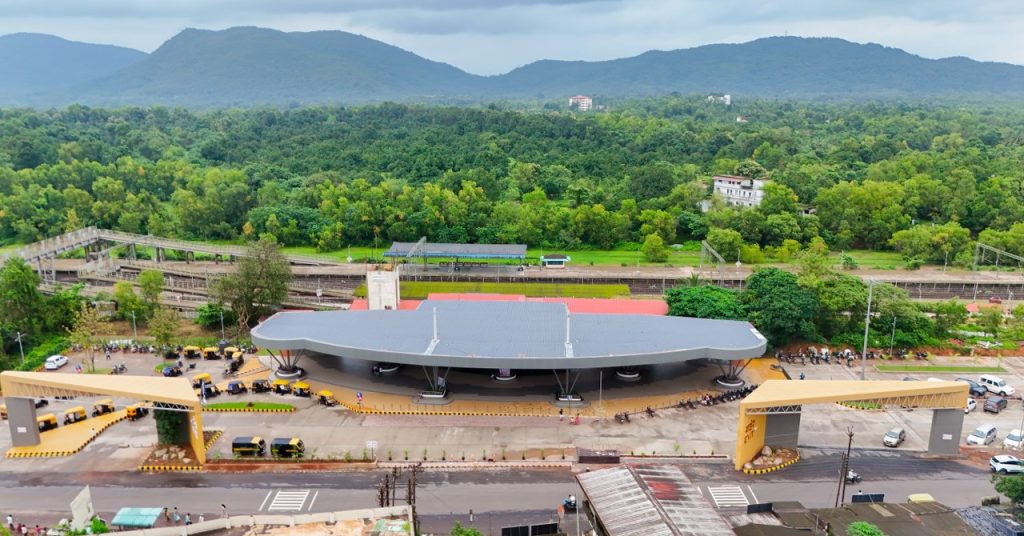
[(575, 305)]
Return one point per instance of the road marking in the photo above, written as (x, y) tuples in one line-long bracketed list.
[(265, 499), (311, 501), (752, 496), (289, 500), (728, 496)]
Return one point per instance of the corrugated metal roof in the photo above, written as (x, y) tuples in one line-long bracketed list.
[(650, 500), (470, 251)]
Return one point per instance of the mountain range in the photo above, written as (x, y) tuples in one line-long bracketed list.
[(247, 66)]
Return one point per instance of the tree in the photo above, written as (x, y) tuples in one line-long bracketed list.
[(948, 315), (209, 315), (704, 301), (88, 325), (990, 319), (726, 242), (842, 300), (654, 249), (20, 299), (151, 284), (258, 285), (163, 326), (129, 306), (863, 528), (815, 265), (171, 426), (459, 530), (779, 307), (778, 199), (1012, 487)]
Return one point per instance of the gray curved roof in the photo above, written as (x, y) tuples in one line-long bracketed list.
[(508, 334)]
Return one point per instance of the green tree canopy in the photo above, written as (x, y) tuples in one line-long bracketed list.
[(259, 283), (863, 528), (704, 301), (151, 284), (779, 307), (654, 249)]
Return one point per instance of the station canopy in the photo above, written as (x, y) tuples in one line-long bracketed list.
[(457, 251), (141, 518)]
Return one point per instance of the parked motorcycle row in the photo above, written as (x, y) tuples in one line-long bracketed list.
[(721, 398), (825, 356)]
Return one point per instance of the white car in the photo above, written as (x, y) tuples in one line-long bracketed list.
[(55, 362), (971, 404), (1013, 440), (1006, 464), (996, 385)]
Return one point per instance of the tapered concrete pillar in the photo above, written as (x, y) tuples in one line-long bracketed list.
[(947, 425), (21, 414)]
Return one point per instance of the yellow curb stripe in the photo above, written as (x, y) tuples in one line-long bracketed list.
[(771, 469)]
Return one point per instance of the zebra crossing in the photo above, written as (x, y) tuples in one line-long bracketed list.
[(288, 500), (728, 496)]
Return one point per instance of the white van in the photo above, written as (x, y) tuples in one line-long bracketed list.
[(996, 385), (982, 435), (55, 362)]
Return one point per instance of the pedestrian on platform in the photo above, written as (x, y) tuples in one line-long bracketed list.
[(188, 518), (201, 518), (167, 514), (224, 510), (561, 414), (10, 521)]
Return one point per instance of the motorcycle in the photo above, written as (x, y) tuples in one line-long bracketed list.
[(852, 477)]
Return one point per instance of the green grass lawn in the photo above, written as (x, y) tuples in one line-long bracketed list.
[(418, 290), (251, 405), (937, 368), (876, 260), (617, 257)]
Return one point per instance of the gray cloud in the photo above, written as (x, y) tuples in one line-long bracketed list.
[(492, 36)]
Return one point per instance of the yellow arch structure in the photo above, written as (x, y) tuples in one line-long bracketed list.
[(176, 393), (789, 396)]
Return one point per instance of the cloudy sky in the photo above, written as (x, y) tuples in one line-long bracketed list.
[(493, 36)]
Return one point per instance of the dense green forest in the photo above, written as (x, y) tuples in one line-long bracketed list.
[(923, 179)]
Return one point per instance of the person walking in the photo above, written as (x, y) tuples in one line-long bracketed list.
[(201, 518), (10, 521), (167, 514), (224, 510), (176, 517), (802, 376), (188, 518), (561, 414)]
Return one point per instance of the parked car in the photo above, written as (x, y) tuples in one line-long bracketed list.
[(1013, 440), (995, 404), (1004, 464), (55, 362), (996, 385), (982, 435), (894, 437), (975, 389), (971, 405)]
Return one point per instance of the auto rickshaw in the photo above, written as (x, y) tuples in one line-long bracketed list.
[(74, 415), (102, 407), (229, 351), (191, 352), (326, 398), (171, 372), (210, 390), (248, 446), (210, 352), (199, 379), (261, 386), (233, 366), (137, 411), (287, 447), (282, 387), (236, 387), (301, 389), (46, 422), (3, 411)]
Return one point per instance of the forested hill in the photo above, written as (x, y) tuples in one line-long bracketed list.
[(253, 66), (36, 63), (241, 66), (775, 67)]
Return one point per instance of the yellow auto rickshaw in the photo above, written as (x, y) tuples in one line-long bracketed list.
[(74, 415), (326, 398), (137, 411), (301, 389), (3, 411), (199, 379), (46, 422), (229, 351), (282, 387), (248, 446), (191, 352), (102, 407), (211, 352), (287, 447)]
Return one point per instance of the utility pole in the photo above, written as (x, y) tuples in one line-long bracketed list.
[(867, 324), (844, 468), (135, 333), (892, 338), (222, 323), (21, 349)]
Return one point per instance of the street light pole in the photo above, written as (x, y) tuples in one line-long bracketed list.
[(867, 324), (135, 333), (222, 324), (892, 337), (21, 349)]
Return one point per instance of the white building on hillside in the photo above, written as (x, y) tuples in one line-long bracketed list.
[(581, 103), (724, 99), (739, 191)]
